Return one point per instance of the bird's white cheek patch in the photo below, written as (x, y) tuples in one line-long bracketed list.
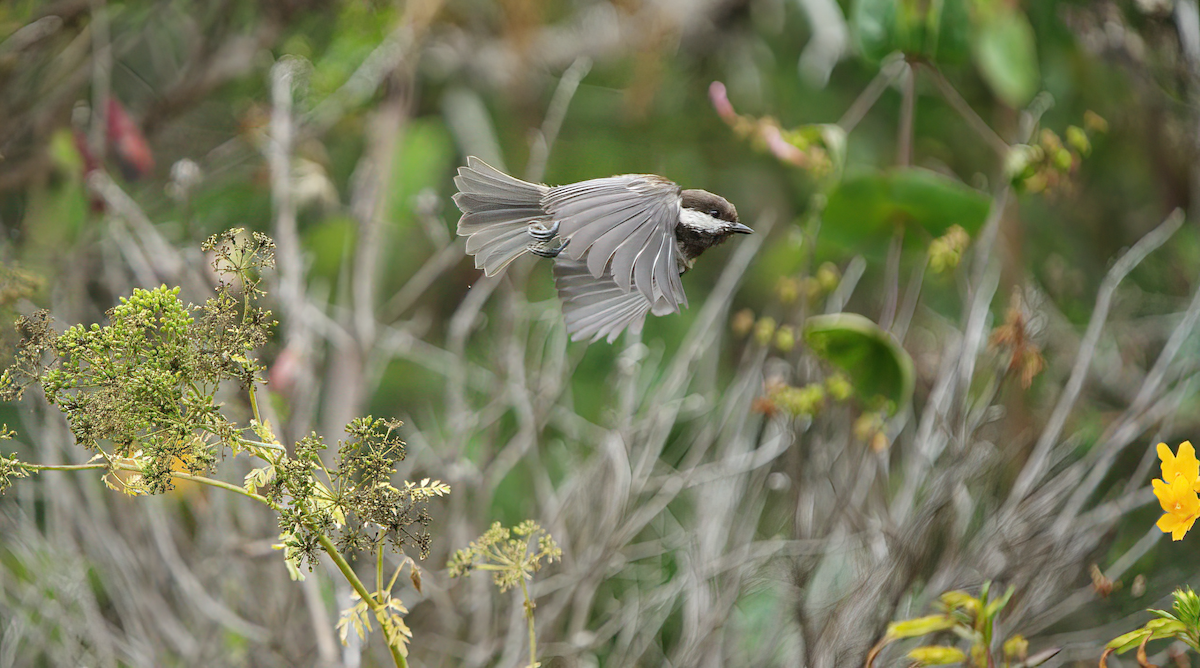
[(700, 221)]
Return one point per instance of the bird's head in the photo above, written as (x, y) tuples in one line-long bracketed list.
[(706, 220)]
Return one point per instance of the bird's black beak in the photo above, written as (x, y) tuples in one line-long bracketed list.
[(741, 229)]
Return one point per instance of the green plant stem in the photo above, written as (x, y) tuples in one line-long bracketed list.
[(379, 568), (254, 403), (326, 543), (223, 485), (908, 104), (529, 618), (340, 561), (62, 467), (352, 578), (980, 126), (869, 96), (130, 467), (260, 444)]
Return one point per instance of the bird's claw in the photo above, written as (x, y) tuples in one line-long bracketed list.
[(545, 249), (542, 233)]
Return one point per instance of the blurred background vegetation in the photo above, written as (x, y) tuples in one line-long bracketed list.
[(702, 523)]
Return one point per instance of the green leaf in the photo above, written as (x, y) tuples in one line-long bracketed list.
[(1164, 628), (937, 655), (876, 364), (1164, 614), (949, 32), (912, 628), (1126, 642), (1006, 55), (868, 206), (997, 605), (873, 24), (935, 29)]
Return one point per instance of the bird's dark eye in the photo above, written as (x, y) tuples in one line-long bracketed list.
[(714, 213)]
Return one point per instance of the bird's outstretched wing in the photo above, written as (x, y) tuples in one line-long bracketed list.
[(623, 228), (596, 308)]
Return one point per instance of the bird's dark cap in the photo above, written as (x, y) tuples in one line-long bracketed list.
[(706, 202)]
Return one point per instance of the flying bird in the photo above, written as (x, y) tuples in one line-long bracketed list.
[(619, 244)]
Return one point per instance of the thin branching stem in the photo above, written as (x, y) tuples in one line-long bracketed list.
[(892, 288), (529, 619), (379, 567), (254, 408), (985, 131), (1039, 459), (268, 446), (353, 579), (908, 114), (134, 469), (870, 95)]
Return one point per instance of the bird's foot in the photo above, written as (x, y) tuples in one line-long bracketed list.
[(547, 248), (542, 233)]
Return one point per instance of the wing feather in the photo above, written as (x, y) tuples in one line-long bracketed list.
[(599, 308), (603, 248), (628, 221), (624, 253)]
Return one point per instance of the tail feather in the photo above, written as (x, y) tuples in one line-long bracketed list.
[(502, 251), (483, 219), (497, 211)]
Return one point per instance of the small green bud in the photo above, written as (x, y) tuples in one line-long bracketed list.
[(764, 329), (743, 322), (1094, 122), (1187, 606), (810, 287), (806, 400), (838, 386), (1035, 183), (828, 276), (785, 339), (1020, 161), (1078, 140), (1050, 140), (1017, 648), (787, 289), (1063, 160), (946, 251)]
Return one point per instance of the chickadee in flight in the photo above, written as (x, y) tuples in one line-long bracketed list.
[(619, 244)]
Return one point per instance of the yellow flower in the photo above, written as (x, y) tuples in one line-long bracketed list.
[(1182, 464), (1180, 503)]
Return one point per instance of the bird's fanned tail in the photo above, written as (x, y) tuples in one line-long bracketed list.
[(497, 211)]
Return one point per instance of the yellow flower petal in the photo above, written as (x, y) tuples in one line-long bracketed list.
[(1167, 523), (1163, 491), (1175, 525), (1183, 528), (1186, 503), (1177, 492), (1183, 463)]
